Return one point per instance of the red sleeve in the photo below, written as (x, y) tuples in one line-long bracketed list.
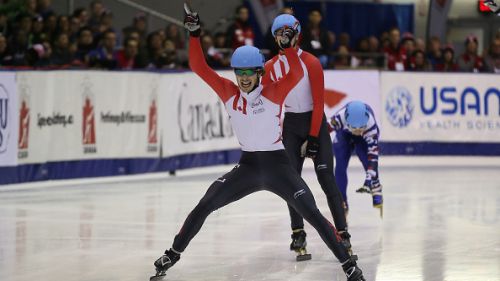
[(316, 79), (224, 88), (277, 91), (266, 79)]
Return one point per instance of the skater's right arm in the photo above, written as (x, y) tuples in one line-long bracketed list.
[(278, 90), (224, 88)]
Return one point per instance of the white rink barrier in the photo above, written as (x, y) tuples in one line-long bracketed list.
[(67, 124)]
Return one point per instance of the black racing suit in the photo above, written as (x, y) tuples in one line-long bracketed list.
[(262, 170)]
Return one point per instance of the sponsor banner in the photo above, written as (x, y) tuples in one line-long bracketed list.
[(440, 107), (342, 87), (8, 119), (85, 115), (194, 119)]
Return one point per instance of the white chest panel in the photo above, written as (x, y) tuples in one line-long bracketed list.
[(256, 122)]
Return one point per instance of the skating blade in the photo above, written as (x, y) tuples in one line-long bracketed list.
[(157, 277)]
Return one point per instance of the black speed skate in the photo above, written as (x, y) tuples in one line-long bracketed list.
[(163, 263), (299, 244), (352, 271)]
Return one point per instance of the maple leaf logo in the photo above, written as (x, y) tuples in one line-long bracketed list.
[(333, 97)]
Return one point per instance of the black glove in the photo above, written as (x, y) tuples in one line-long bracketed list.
[(192, 22), (287, 37), (310, 148), (493, 5)]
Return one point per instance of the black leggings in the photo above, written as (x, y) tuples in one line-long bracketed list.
[(295, 131), (265, 170)]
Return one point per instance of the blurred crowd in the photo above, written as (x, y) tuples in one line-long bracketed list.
[(32, 35)]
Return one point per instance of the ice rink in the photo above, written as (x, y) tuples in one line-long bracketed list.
[(441, 222)]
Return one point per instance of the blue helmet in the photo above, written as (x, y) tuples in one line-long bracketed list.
[(247, 57), (284, 20), (356, 114)]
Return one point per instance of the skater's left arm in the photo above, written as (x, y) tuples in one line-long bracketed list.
[(277, 91), (316, 80), (371, 137)]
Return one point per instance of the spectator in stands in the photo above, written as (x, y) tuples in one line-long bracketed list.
[(96, 8), (74, 28), (373, 44), (33, 54), (345, 40), (342, 59), (126, 57), (4, 52), (396, 55), (492, 59), (420, 44), (172, 57), (447, 63), (37, 36), (220, 40), (156, 54), (82, 14), (106, 22), (3, 23), (61, 54), (213, 57), (385, 42), (269, 40), (173, 34), (315, 38), (240, 32), (139, 25), (19, 47), (50, 25), (407, 46), (105, 55), (367, 53), (44, 8), (434, 51), (470, 61), (24, 22), (418, 62), (85, 44), (30, 8), (63, 25)]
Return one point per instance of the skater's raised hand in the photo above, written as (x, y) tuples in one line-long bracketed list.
[(191, 21), (494, 5), (288, 37)]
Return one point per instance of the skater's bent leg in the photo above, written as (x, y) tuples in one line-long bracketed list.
[(306, 206), (289, 185), (229, 188)]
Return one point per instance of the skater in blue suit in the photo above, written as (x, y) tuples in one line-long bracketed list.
[(356, 130)]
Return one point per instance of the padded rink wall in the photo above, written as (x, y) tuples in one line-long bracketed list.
[(76, 124)]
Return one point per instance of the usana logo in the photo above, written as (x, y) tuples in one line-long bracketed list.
[(399, 107)]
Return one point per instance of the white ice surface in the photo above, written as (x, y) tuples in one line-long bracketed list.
[(441, 222)]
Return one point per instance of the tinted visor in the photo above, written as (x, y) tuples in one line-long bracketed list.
[(247, 72)]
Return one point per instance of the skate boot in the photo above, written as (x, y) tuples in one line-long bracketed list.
[(163, 263), (299, 245), (352, 271), (378, 199)]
